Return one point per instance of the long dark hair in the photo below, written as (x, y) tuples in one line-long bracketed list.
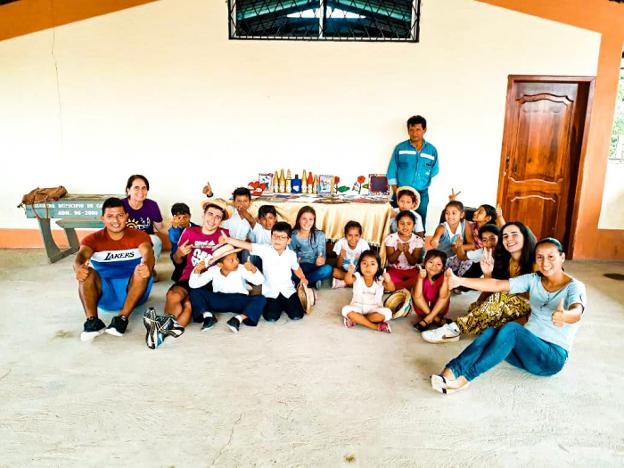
[(132, 178), (434, 253), (313, 230), (502, 257), (372, 254)]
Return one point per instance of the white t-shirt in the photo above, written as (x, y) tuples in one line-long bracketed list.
[(260, 235), (367, 296), (239, 227), (233, 283), (351, 254), (278, 270), (414, 242), (474, 255)]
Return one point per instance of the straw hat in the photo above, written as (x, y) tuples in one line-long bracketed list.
[(306, 296), (222, 251), (400, 303), (218, 202), (410, 189)]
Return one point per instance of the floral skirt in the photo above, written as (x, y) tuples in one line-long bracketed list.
[(494, 311)]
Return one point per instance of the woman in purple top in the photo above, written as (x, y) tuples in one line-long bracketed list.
[(143, 213)]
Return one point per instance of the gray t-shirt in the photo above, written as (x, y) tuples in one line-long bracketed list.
[(544, 303)]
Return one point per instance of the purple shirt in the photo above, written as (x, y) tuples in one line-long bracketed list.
[(144, 218)]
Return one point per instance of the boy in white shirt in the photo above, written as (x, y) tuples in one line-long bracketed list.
[(279, 264), (229, 290), (261, 230), (241, 222)]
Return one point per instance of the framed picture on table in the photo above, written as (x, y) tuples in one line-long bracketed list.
[(378, 184), (266, 182), (326, 184)]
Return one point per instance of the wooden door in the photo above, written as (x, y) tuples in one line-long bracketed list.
[(546, 124)]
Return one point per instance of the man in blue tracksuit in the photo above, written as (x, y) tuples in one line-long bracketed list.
[(414, 162)]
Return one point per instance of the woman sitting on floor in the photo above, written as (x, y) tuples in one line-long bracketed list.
[(540, 347)]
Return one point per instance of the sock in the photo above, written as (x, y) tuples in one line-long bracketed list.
[(207, 314)]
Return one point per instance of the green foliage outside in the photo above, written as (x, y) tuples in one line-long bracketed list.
[(618, 122)]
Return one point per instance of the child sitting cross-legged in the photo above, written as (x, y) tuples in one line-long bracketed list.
[(368, 282), (348, 249), (431, 294), (403, 249), (229, 290), (279, 262)]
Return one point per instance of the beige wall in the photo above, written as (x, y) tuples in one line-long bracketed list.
[(159, 89)]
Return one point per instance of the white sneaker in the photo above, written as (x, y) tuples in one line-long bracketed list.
[(446, 333)]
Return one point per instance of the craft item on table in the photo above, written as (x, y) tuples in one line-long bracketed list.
[(304, 182), (325, 184), (378, 184), (310, 183), (359, 184), (282, 182), (296, 184), (256, 188), (266, 181), (315, 184)]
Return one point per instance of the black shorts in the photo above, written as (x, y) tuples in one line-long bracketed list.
[(182, 284)]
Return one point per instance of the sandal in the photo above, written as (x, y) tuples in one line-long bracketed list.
[(423, 325), (440, 321)]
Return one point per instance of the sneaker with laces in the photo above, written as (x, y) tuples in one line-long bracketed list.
[(153, 325), (348, 322), (384, 327), (233, 324), (92, 327), (445, 334), (170, 326), (117, 326), (209, 322)]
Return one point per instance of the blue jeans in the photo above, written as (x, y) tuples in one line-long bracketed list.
[(314, 273), (512, 343)]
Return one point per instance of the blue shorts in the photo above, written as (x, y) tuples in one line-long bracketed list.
[(115, 291)]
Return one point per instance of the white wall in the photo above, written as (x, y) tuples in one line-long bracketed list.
[(160, 90)]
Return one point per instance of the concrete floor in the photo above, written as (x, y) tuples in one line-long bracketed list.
[(308, 393)]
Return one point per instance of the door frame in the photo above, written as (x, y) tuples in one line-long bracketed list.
[(590, 82)]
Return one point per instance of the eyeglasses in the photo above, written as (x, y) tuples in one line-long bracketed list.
[(273, 236)]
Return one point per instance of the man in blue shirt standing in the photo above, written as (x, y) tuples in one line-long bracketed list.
[(414, 162)]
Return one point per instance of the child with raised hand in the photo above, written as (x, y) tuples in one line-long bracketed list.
[(348, 249), (241, 222), (452, 235), (431, 294), (181, 219), (403, 249), (229, 290), (308, 242), (368, 282), (279, 264)]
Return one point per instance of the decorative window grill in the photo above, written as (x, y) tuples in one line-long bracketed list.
[(329, 20)]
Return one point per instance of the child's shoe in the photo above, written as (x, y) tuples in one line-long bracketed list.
[(209, 322), (233, 324), (337, 283), (348, 322), (384, 327)]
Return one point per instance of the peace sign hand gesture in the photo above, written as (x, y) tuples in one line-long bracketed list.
[(453, 195), (487, 262)]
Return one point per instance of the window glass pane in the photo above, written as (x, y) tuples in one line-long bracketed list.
[(276, 18)]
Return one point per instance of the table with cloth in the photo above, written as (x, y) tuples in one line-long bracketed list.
[(331, 218)]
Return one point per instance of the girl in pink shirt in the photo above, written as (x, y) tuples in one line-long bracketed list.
[(431, 294)]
